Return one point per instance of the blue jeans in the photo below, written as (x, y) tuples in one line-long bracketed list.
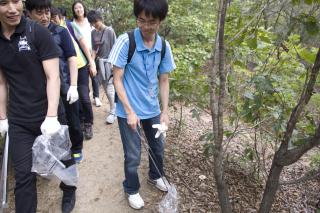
[(131, 142), (86, 113)]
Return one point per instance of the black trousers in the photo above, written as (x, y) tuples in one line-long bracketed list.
[(21, 139), (86, 113), (73, 121)]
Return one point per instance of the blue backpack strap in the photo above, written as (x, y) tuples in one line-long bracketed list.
[(70, 28), (132, 45), (163, 48), (132, 48)]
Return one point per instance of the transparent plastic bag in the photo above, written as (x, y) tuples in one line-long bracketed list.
[(67, 175), (48, 154), (4, 175), (169, 204)]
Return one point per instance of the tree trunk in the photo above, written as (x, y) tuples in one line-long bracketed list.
[(284, 157), (271, 188), (217, 96)]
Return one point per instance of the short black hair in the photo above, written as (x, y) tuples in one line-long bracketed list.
[(37, 4), (154, 8), (63, 11), (84, 9), (55, 11), (94, 16)]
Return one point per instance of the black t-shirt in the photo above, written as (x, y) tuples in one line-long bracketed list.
[(21, 63)]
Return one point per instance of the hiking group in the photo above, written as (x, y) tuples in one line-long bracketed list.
[(45, 67)]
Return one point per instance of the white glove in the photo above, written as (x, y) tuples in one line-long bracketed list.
[(50, 126), (162, 128), (3, 127), (72, 95)]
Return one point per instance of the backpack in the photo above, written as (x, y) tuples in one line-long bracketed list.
[(132, 49), (55, 31)]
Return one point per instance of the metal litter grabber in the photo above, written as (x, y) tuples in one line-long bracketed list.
[(169, 204), (4, 176)]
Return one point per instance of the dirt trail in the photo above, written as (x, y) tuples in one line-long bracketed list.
[(101, 176)]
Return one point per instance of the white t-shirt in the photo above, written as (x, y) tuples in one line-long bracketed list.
[(85, 31)]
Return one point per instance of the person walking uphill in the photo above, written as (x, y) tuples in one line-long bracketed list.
[(80, 19), (29, 69), (137, 86), (103, 38), (40, 11), (82, 34)]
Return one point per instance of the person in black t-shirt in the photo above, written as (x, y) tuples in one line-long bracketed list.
[(29, 77), (40, 11)]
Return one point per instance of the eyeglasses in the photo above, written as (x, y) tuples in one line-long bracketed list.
[(151, 23)]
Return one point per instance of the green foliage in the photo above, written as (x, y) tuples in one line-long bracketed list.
[(315, 161), (191, 48), (269, 56)]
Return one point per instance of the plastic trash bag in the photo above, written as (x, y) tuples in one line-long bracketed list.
[(4, 175), (169, 204), (48, 154)]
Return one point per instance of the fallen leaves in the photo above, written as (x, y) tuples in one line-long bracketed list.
[(192, 172)]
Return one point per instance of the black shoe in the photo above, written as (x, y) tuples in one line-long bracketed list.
[(88, 134), (68, 201)]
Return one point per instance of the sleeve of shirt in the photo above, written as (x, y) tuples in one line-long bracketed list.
[(119, 52), (44, 42), (167, 64), (112, 37), (67, 44)]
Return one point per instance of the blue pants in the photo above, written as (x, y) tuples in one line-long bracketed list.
[(21, 138), (86, 113), (131, 142)]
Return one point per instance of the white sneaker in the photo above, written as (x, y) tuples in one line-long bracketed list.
[(111, 118), (161, 183), (135, 201), (97, 102)]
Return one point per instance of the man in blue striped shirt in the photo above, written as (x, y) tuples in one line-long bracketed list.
[(138, 83)]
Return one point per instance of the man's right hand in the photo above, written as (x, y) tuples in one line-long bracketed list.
[(4, 126), (50, 126), (133, 120)]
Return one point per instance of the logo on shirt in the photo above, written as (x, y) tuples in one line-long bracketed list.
[(23, 44)]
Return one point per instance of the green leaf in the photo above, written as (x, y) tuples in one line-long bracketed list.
[(252, 41), (309, 2), (228, 133), (240, 64), (295, 2), (307, 55), (249, 153), (195, 114), (311, 25)]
